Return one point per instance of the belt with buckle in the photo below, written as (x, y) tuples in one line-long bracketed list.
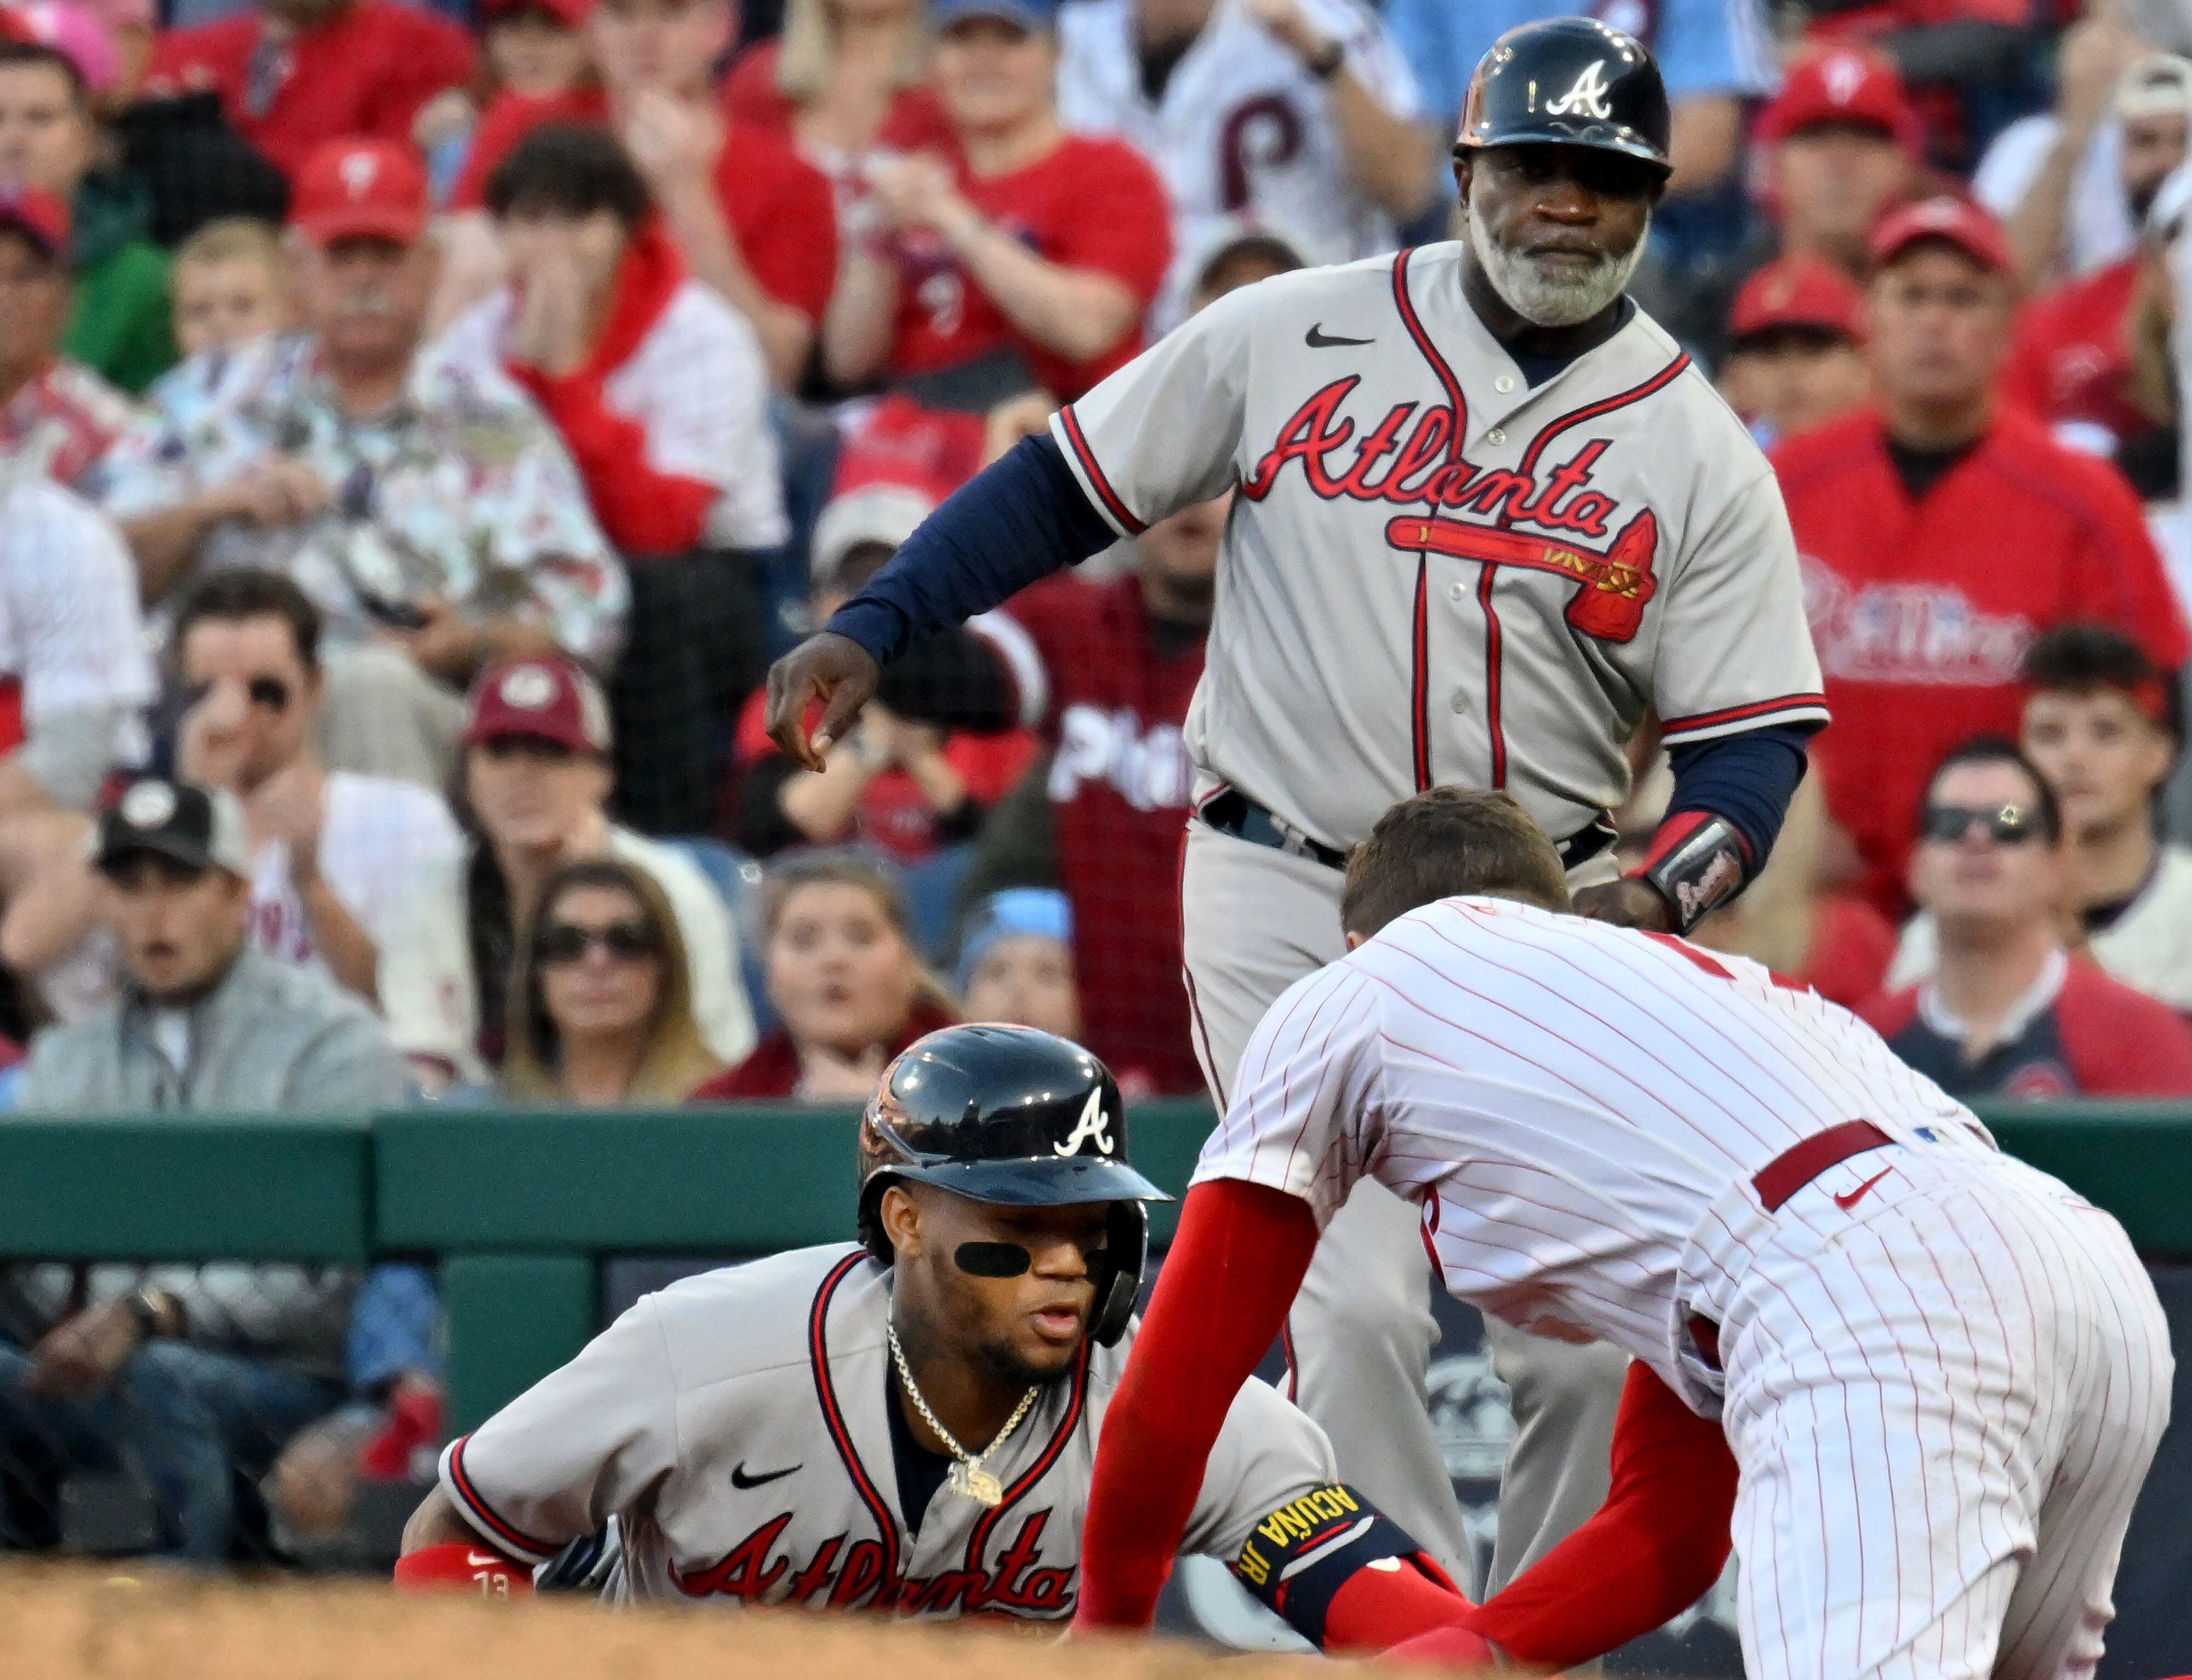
[(1781, 1178), (1233, 813)]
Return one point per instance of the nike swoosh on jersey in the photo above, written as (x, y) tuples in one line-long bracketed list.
[(1317, 338), (740, 1479), (1846, 1202), (486, 1560)]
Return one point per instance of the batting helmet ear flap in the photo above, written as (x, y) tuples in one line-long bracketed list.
[(1125, 1257)]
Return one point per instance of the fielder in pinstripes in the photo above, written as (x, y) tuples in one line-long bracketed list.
[(1941, 1375)]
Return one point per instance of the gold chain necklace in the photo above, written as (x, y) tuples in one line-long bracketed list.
[(966, 1475)]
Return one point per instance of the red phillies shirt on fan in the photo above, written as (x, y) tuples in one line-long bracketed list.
[(778, 204), (1090, 204), (2071, 365), (1921, 608), (1118, 688), (364, 73)]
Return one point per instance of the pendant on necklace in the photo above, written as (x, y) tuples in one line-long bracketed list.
[(976, 1483)]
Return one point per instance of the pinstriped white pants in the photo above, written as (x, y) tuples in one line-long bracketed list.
[(1943, 1400)]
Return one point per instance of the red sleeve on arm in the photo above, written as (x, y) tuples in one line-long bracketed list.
[(1653, 1550), (643, 510), (1231, 1274), (1122, 222), (435, 56), (2121, 1042), (2134, 591)]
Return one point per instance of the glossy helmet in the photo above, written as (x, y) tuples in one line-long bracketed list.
[(1569, 81), (1011, 1116)]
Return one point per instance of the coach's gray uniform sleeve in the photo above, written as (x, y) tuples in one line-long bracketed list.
[(1162, 433), (1735, 652), (1269, 1454), (581, 1445)]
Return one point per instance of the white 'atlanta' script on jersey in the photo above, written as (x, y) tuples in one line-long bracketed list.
[(1941, 1374)]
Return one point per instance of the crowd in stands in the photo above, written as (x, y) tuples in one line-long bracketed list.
[(419, 422)]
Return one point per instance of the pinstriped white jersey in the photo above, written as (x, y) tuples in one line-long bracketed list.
[(1436, 573), (1566, 1101)]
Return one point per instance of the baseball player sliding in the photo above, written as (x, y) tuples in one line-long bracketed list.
[(909, 1422), (1488, 516), (1940, 1374)]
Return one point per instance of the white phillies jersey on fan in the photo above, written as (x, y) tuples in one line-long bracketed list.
[(1565, 1099), (735, 1425), (1241, 132), (1436, 573)]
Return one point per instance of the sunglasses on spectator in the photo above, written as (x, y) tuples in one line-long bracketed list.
[(268, 692), (2006, 824), (627, 941)]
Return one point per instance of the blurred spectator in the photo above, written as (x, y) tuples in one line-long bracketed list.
[(845, 80), (1300, 115), (190, 1377), (932, 751), (1941, 531), (295, 76), (1118, 664), (535, 49), (601, 1010), (331, 854), (57, 417), (2100, 726), (73, 669), (48, 140), (133, 28), (231, 286), (1795, 351), (2005, 1011), (846, 984), (1016, 963), (751, 217), (534, 779), (1715, 55), (1028, 260), (429, 511), (2074, 362), (204, 1021), (1789, 919), (2072, 186), (657, 384), (1839, 147), (1241, 256)]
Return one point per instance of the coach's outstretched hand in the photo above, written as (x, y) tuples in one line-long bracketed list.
[(1626, 903), (832, 669)]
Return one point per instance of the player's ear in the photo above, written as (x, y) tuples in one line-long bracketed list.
[(1462, 160), (1356, 941), (901, 1219)]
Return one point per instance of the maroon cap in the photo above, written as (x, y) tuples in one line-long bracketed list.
[(1798, 291), (1845, 85), (361, 189), (548, 697), (568, 13), (1957, 221), (43, 216)]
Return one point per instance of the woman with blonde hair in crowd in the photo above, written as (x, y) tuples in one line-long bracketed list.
[(845, 78), (600, 1002), (846, 981)]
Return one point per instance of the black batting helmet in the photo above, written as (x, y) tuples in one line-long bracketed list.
[(1017, 1116), (1569, 81)]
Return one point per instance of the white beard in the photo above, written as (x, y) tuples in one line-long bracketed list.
[(1559, 298)]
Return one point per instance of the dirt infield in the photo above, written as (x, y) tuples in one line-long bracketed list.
[(132, 1623)]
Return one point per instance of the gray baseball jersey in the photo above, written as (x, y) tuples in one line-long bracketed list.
[(735, 1424), (1438, 572)]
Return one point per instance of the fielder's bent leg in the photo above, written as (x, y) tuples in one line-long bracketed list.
[(1254, 920)]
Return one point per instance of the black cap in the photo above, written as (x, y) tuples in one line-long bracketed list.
[(199, 827), (1569, 81)]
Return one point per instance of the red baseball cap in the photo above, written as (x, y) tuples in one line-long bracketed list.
[(568, 13), (1798, 291), (43, 216), (361, 188), (1957, 221), (547, 697), (1845, 85)]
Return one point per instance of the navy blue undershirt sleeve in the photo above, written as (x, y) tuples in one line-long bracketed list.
[(1022, 518), (1748, 778)]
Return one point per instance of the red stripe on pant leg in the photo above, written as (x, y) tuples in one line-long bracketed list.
[(1422, 684), (1491, 723)]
